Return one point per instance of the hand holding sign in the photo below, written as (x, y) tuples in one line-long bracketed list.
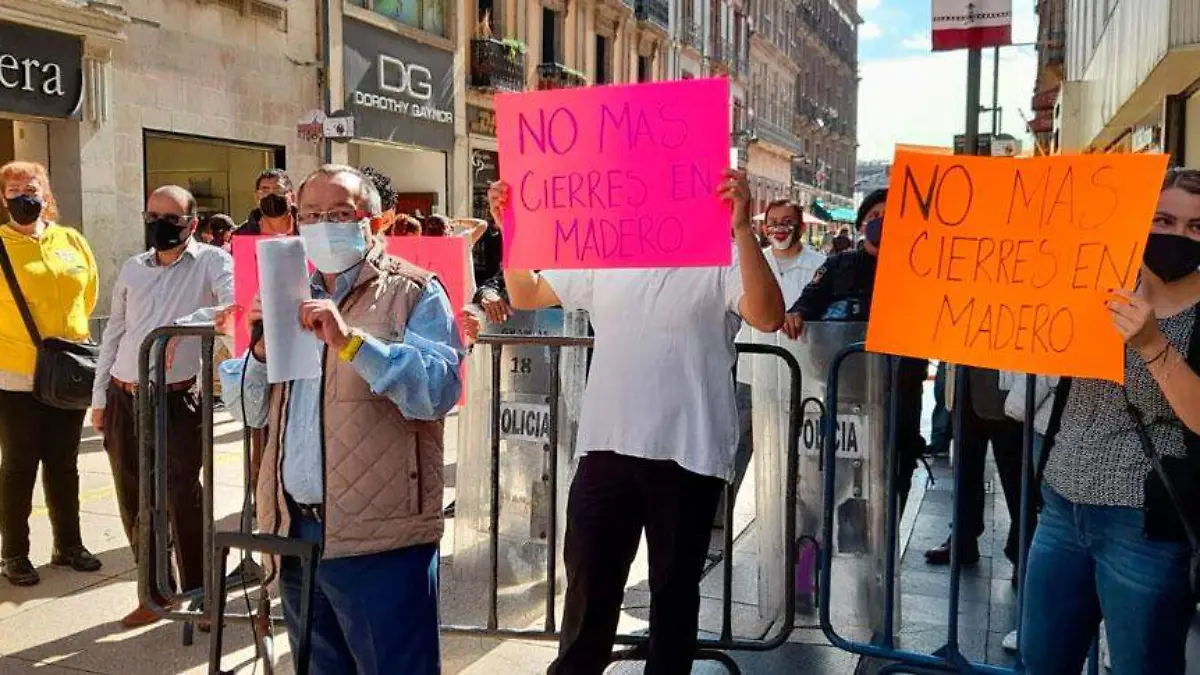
[(1135, 321), (736, 191)]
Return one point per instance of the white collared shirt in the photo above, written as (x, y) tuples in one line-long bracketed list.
[(660, 384), (148, 296)]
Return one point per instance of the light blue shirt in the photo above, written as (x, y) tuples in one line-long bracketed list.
[(419, 374)]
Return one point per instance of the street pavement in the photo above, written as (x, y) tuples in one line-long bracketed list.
[(69, 623)]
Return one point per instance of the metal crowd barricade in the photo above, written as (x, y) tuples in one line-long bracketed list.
[(153, 523), (708, 649), (950, 657)]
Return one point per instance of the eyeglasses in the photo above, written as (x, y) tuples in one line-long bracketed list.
[(173, 218), (339, 215), (780, 224), (263, 192)]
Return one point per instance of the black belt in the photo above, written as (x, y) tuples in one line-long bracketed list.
[(312, 511)]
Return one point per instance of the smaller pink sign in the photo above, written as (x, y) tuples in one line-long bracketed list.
[(619, 176), (245, 287), (447, 258), (444, 256)]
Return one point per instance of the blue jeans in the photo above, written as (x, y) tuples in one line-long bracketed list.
[(1089, 563), (372, 615)]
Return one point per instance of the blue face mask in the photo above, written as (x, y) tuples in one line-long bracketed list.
[(335, 247)]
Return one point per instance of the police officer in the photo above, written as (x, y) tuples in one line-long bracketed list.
[(841, 291)]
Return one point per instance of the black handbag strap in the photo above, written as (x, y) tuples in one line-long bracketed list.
[(10, 275), (1156, 463)]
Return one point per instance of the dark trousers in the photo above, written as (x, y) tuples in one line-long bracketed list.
[(372, 614), (31, 434), (910, 445), (942, 427), (612, 498), (1007, 441), (184, 459)]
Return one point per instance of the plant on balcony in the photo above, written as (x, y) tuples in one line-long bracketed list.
[(496, 64)]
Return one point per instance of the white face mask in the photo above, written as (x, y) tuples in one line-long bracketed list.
[(335, 247), (781, 244)]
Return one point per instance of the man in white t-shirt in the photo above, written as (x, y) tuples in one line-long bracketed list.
[(657, 433), (793, 265)]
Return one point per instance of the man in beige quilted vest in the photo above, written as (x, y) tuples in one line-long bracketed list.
[(354, 457)]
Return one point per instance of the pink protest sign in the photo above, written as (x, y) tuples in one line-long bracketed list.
[(444, 256), (447, 258), (621, 176), (245, 286)]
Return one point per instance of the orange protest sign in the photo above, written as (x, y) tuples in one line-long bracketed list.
[(1007, 263)]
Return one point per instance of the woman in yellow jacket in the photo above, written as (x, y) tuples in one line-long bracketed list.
[(57, 274)]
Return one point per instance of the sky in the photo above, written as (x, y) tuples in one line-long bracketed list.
[(908, 94)]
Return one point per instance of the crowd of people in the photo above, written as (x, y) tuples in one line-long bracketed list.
[(353, 459)]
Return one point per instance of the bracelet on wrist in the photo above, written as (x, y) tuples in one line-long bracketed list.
[(350, 349)]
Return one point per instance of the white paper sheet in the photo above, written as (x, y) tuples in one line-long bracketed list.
[(292, 352)]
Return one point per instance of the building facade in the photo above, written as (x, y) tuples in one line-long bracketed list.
[(1131, 72), (118, 98), (803, 107), (520, 45)]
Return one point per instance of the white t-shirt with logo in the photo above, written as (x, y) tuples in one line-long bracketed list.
[(660, 385), (793, 275)]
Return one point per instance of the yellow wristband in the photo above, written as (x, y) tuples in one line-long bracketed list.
[(348, 352)]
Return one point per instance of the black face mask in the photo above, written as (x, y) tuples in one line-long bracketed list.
[(273, 205), (873, 231), (164, 235), (25, 209), (1172, 257)]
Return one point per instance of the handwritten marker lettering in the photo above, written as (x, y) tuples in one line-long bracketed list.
[(1005, 262), (623, 176)]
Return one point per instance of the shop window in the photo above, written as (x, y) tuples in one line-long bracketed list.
[(219, 174), (427, 15)]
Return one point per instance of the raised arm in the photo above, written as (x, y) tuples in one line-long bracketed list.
[(526, 290), (761, 304)]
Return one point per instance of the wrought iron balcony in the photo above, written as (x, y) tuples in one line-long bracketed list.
[(657, 11), (692, 35), (558, 76), (497, 65), (723, 56), (769, 132)]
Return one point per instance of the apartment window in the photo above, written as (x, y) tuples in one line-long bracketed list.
[(603, 56), (427, 15), (643, 66), (485, 10), (551, 36)]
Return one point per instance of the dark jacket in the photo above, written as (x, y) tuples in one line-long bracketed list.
[(840, 290), (251, 225), (1161, 518), (487, 254)]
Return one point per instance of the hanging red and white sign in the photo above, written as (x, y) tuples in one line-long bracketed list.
[(971, 24)]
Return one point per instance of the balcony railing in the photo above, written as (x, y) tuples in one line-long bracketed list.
[(693, 35), (497, 65), (657, 11), (558, 76), (771, 133), (723, 55)]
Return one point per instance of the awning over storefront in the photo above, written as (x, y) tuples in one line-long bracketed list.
[(838, 214)]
